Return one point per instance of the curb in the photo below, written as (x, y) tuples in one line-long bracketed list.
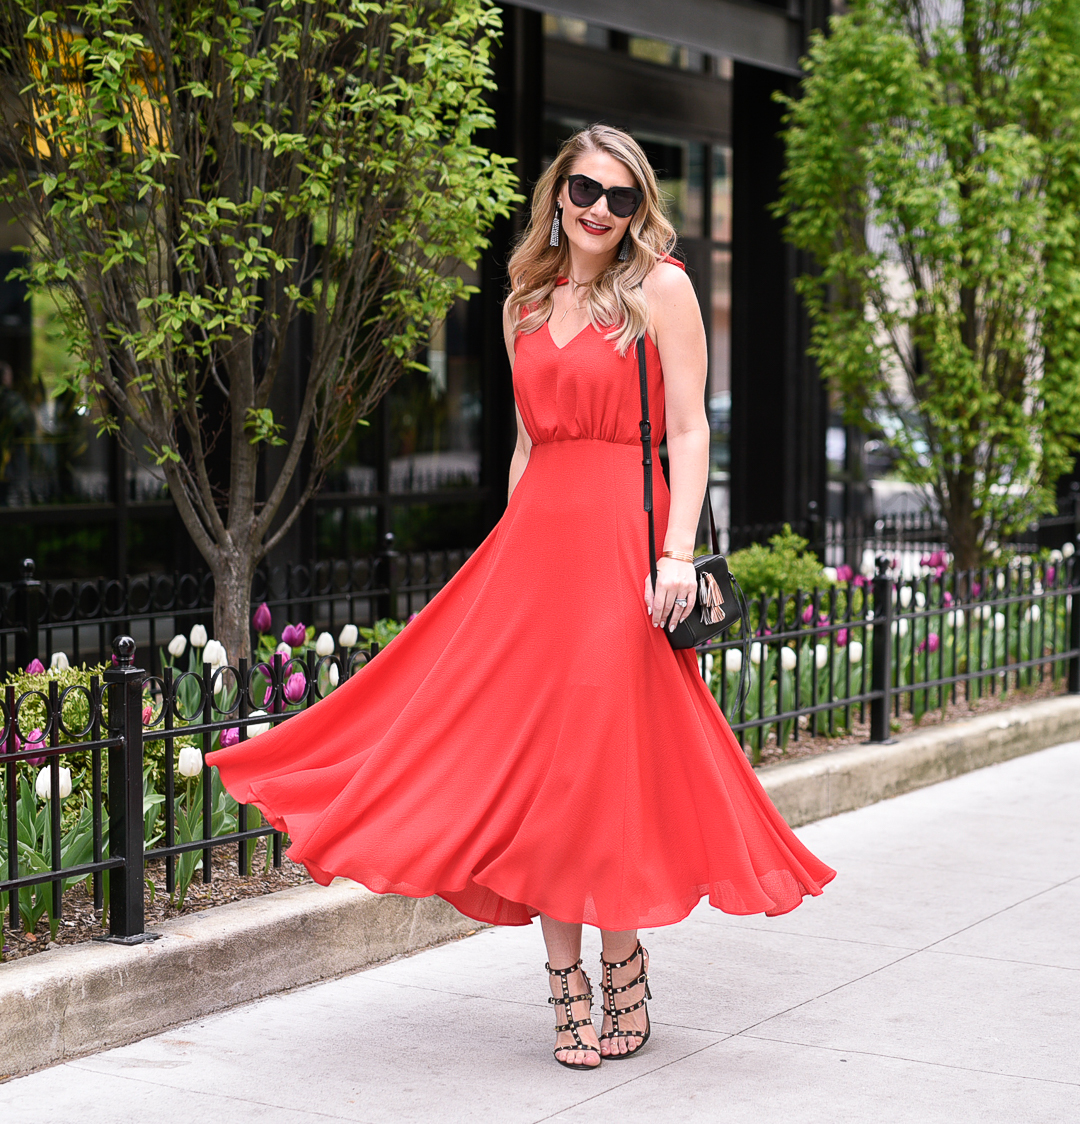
[(83, 998), (847, 779)]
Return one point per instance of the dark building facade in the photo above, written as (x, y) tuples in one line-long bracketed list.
[(694, 81)]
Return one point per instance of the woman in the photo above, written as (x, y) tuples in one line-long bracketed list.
[(531, 743)]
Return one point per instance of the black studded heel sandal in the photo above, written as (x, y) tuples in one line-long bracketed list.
[(607, 986), (567, 1000)]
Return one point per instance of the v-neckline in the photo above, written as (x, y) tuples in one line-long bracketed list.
[(547, 324)]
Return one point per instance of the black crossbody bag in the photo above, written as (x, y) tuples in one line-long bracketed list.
[(720, 602)]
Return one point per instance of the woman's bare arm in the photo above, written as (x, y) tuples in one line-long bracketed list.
[(680, 338), (523, 445)]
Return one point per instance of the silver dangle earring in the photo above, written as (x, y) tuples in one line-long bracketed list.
[(556, 224), (624, 247)]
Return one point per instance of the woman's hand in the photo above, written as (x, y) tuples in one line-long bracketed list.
[(675, 581)]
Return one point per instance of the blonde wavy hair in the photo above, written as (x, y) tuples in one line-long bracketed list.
[(614, 298)]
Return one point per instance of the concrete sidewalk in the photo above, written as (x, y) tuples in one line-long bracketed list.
[(937, 980)]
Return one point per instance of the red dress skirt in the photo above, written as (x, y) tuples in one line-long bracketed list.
[(530, 743)]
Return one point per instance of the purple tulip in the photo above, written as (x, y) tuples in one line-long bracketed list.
[(36, 738), (294, 635), (1051, 571), (262, 620), (844, 573), (976, 589), (229, 737), (296, 686), (35, 667)]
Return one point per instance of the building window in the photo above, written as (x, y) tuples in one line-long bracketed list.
[(576, 31), (662, 53)]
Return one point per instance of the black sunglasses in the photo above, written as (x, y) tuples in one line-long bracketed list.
[(622, 201)]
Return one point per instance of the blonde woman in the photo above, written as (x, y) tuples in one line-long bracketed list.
[(531, 744)]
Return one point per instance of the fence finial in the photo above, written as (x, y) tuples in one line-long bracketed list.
[(884, 564), (124, 647), (28, 569)]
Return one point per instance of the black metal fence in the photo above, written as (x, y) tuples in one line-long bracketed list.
[(122, 735), (80, 617), (864, 650), (877, 649)]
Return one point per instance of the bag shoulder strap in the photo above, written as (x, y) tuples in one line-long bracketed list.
[(646, 451)]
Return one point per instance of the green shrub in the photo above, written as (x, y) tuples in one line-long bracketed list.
[(785, 564)]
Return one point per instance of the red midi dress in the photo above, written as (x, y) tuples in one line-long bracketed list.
[(530, 743)]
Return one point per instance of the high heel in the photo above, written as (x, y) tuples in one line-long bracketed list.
[(607, 986), (572, 1024)]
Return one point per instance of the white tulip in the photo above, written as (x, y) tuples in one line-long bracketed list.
[(755, 652), (953, 618), (821, 656), (214, 654), (900, 628), (284, 650), (189, 761), (259, 727), (920, 599), (829, 573), (1067, 550), (59, 662), (733, 660), (43, 784), (999, 621), (198, 636), (985, 612), (177, 645), (999, 581), (706, 666), (1057, 556), (855, 651), (869, 614), (335, 675), (349, 636), (1032, 614), (787, 659), (1068, 603), (905, 596), (324, 644)]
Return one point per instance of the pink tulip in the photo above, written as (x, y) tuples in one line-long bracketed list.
[(842, 638), (262, 621), (412, 617), (860, 581), (35, 667), (296, 686), (808, 614), (844, 573), (1051, 572), (946, 598), (148, 714), (976, 589), (229, 737), (931, 643)]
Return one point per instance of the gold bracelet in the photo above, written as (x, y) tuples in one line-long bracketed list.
[(678, 555)]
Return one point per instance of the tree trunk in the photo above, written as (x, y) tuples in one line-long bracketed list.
[(232, 604)]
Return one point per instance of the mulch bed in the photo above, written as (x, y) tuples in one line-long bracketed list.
[(81, 921), (807, 746)]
